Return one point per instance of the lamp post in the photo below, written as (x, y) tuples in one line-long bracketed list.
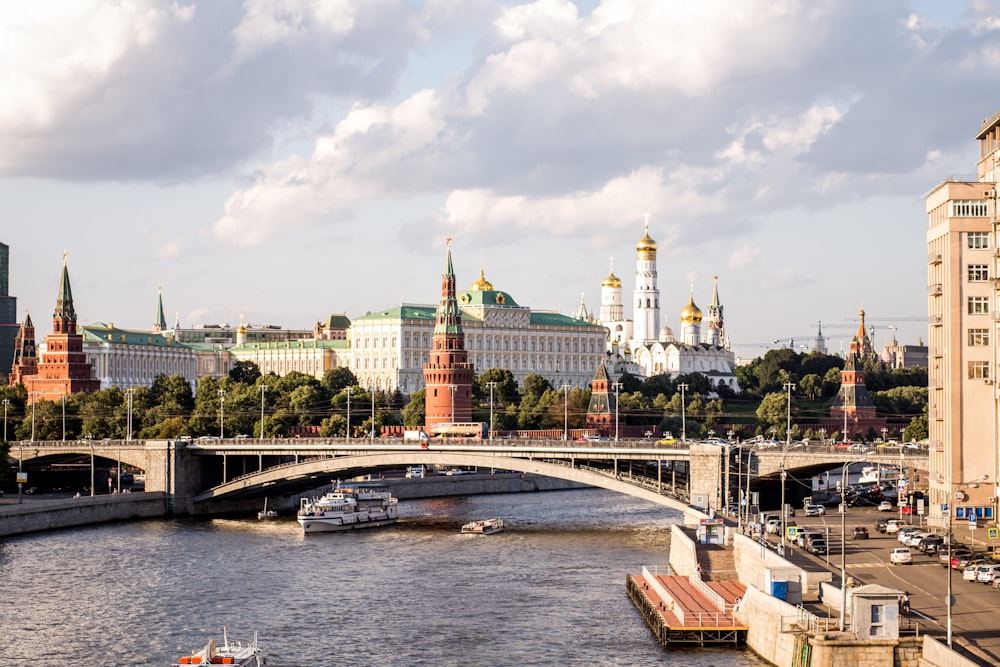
[(822, 436), (949, 600), (492, 386), (63, 419), (263, 389), (33, 417), (618, 387), (843, 540), (789, 386), (129, 393), (6, 402), (683, 387), (373, 410), (565, 389), (348, 429), (222, 413)]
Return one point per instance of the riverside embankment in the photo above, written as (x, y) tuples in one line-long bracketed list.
[(38, 513)]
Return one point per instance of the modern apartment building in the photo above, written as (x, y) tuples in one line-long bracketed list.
[(963, 270)]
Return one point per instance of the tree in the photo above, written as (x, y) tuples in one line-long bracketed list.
[(812, 386), (534, 387), (505, 390), (630, 383), (415, 412), (337, 379), (773, 412), (245, 372)]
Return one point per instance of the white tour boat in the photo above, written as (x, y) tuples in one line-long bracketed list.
[(483, 527), (348, 508), (241, 655)]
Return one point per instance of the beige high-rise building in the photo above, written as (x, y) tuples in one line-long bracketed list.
[(963, 271)]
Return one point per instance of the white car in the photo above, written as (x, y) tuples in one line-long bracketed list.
[(971, 572), (893, 526), (885, 506), (901, 555), (815, 510), (904, 532), (985, 573), (913, 539)]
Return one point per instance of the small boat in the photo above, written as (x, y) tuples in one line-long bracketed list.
[(266, 514), (483, 527), (238, 654), (348, 508)]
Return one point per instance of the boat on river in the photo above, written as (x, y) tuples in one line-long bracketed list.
[(483, 527), (266, 514), (348, 508), (236, 653)]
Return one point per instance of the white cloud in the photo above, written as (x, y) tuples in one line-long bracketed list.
[(744, 257)]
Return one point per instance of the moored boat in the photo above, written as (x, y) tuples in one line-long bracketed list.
[(237, 653), (348, 508), (266, 514), (483, 527)]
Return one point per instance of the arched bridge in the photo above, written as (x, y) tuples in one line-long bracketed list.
[(211, 475)]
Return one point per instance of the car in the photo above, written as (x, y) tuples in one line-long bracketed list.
[(907, 509), (913, 539), (985, 573), (885, 506), (900, 556), (931, 543), (802, 539), (964, 561), (880, 525), (815, 510), (903, 533), (892, 526), (970, 572), (996, 581), (859, 533), (774, 526), (817, 546), (858, 448), (31, 490)]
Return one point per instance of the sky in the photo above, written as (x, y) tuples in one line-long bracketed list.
[(288, 159)]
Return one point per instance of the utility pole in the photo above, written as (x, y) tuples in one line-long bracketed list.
[(129, 393), (263, 388), (6, 403), (565, 389), (222, 414), (683, 387), (617, 386), (491, 385), (373, 414), (348, 413)]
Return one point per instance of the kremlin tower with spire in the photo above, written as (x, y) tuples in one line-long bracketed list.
[(63, 369), (448, 374)]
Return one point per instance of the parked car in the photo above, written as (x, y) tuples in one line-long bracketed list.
[(985, 573), (951, 560), (880, 525), (970, 572), (901, 555), (893, 526), (859, 533), (815, 510), (913, 539), (885, 506), (903, 533)]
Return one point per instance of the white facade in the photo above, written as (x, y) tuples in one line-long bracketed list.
[(646, 296), (311, 357), (123, 358)]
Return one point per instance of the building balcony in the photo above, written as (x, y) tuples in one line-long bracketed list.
[(935, 320), (934, 289), (934, 258)]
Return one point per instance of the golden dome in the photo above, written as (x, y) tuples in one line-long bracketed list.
[(691, 313), (646, 244), (611, 281), (482, 285)]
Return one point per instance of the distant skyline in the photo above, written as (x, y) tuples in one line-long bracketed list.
[(289, 159)]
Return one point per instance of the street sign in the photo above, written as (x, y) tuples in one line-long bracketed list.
[(991, 533), (22, 478), (944, 507), (972, 519), (793, 532)]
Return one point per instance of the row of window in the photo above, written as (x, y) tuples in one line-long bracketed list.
[(968, 208), (492, 342)]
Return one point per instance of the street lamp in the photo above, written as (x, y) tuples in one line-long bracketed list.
[(789, 386), (617, 386), (949, 601), (6, 402), (263, 388), (33, 416), (222, 413), (452, 389), (348, 429), (683, 387), (491, 385), (129, 393), (843, 539), (565, 389), (373, 409), (64, 419)]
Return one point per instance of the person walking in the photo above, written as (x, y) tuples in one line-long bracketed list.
[(904, 602)]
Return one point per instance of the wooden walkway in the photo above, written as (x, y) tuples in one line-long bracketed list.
[(682, 610)]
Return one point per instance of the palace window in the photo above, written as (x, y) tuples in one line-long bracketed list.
[(978, 240), (979, 272), (979, 305), (979, 370), (967, 208), (979, 337)]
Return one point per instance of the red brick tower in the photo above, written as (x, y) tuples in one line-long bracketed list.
[(63, 368), (448, 374), (601, 412), (25, 357), (853, 411)]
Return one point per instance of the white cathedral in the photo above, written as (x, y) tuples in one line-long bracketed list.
[(643, 348)]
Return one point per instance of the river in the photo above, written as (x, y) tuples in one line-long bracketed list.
[(550, 590)]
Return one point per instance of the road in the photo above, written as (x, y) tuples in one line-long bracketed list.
[(974, 617)]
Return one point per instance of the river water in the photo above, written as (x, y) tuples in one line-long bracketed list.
[(550, 590)]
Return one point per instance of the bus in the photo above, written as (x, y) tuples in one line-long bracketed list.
[(475, 430)]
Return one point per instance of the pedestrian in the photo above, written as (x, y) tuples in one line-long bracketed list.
[(905, 602)]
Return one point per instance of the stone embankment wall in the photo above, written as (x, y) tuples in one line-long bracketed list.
[(37, 515)]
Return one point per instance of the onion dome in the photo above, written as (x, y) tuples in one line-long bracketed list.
[(612, 280), (482, 285), (242, 329), (690, 312), (646, 244)]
